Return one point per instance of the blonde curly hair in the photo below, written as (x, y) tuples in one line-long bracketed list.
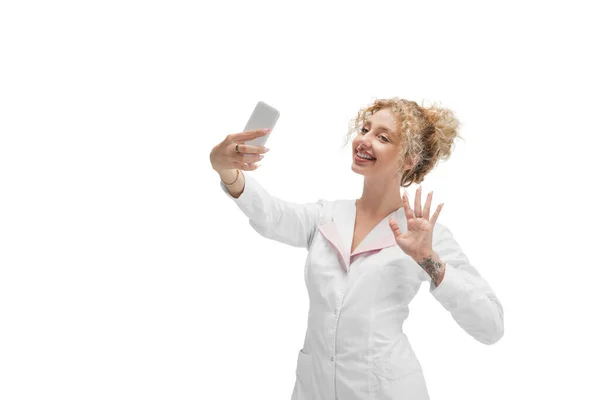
[(426, 134)]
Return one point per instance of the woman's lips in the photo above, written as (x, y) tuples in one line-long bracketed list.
[(361, 160)]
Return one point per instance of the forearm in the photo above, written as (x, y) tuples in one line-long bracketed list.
[(433, 265), (274, 218), (228, 176)]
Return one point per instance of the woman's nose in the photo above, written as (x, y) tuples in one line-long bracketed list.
[(364, 144)]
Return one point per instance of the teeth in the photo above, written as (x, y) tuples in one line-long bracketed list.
[(366, 156)]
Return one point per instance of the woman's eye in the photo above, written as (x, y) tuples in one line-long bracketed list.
[(364, 129)]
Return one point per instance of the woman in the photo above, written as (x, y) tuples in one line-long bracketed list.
[(368, 257)]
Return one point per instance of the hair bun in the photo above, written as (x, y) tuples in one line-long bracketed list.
[(446, 128)]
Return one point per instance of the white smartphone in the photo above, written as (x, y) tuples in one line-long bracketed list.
[(264, 116)]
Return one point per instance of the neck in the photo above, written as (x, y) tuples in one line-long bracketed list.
[(379, 198)]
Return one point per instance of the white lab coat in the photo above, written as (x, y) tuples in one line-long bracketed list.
[(355, 348)]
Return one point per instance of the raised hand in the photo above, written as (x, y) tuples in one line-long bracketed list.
[(417, 242)]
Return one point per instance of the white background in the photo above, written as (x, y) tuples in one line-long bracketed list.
[(126, 272)]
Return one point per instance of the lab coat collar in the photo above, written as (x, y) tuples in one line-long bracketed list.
[(340, 231)]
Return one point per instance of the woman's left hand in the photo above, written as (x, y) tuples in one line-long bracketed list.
[(417, 242)]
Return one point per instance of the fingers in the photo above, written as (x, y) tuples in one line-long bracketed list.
[(427, 208), (249, 149), (418, 201), (407, 209), (409, 213), (436, 213), (246, 166), (225, 156), (395, 227), (247, 157), (426, 211), (247, 135), (423, 213)]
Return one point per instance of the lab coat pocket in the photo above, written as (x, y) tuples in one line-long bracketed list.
[(397, 374), (397, 363), (411, 386), (303, 388)]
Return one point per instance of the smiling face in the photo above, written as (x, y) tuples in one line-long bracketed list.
[(380, 138)]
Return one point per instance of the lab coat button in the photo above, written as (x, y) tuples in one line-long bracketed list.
[(331, 358)]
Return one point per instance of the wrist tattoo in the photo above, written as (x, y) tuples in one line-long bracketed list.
[(432, 267)]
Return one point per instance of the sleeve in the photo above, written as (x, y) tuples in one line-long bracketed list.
[(287, 222), (464, 292)]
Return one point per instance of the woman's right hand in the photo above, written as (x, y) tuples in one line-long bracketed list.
[(223, 156)]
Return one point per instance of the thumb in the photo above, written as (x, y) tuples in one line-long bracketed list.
[(395, 228)]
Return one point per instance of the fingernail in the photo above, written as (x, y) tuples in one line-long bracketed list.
[(267, 130), (261, 157), (266, 149)]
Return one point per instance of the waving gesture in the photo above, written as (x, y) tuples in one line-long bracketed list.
[(417, 242)]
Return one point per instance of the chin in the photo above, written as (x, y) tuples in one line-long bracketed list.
[(358, 169)]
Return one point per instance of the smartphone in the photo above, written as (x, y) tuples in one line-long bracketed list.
[(264, 116)]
